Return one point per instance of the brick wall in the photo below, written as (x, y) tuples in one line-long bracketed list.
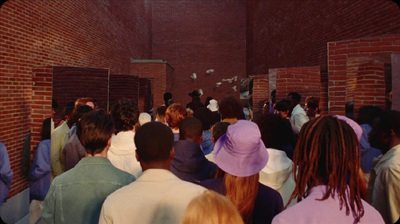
[(102, 34), (346, 59), (304, 80), (123, 86), (294, 33), (195, 36), (71, 83), (261, 93)]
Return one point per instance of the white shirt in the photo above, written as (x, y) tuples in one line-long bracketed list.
[(158, 196), (299, 117)]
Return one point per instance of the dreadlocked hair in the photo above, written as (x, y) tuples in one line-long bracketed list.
[(328, 153), (242, 191)]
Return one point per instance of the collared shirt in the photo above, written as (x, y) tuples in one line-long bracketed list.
[(299, 117), (77, 195), (313, 210), (158, 196), (385, 181)]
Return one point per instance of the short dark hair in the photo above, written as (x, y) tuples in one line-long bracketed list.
[(161, 110), (294, 95), (367, 114), (46, 129), (389, 120), (80, 111), (154, 142), (94, 130), (219, 129), (276, 131), (190, 128), (205, 116), (67, 110), (283, 105), (125, 115), (230, 107)]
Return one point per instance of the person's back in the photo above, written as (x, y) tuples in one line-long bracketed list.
[(158, 196), (122, 150), (77, 195), (189, 162), (328, 184)]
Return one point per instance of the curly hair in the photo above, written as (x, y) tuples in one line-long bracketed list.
[(328, 153), (175, 113), (125, 115), (230, 107)]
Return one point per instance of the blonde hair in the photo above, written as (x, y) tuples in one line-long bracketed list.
[(211, 208), (174, 114)]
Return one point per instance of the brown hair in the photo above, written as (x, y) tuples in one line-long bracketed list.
[(211, 208), (328, 153), (242, 191), (83, 100), (94, 130), (174, 114)]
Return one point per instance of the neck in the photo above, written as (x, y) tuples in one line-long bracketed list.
[(100, 154), (164, 164)]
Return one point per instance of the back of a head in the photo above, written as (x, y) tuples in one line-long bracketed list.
[(367, 114), (275, 131), (174, 114), (79, 111), (230, 107), (46, 129), (94, 130), (84, 100), (389, 120), (328, 153), (67, 110), (211, 208), (283, 105), (190, 129), (312, 102), (219, 129), (295, 96), (161, 110), (125, 115), (154, 142), (205, 116)]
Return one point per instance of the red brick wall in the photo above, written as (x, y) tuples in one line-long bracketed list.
[(123, 86), (342, 56), (304, 80), (294, 33), (194, 36), (102, 34), (71, 83), (261, 93)]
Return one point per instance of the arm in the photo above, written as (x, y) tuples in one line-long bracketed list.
[(6, 173), (49, 206), (392, 180), (55, 153)]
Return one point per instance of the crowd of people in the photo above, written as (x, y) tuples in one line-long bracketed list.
[(207, 163)]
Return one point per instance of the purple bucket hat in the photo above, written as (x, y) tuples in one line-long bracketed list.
[(356, 127), (241, 152)]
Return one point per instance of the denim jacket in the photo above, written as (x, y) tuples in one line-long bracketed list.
[(77, 195)]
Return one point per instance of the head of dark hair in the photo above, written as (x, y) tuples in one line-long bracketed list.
[(80, 111), (205, 116), (295, 96), (367, 114), (46, 129), (67, 110), (94, 130), (54, 104), (230, 107), (219, 129), (312, 102), (389, 120), (328, 152), (190, 129), (125, 115), (154, 142), (275, 131), (161, 110), (283, 105), (207, 101)]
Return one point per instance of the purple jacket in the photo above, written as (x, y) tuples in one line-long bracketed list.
[(6, 174)]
